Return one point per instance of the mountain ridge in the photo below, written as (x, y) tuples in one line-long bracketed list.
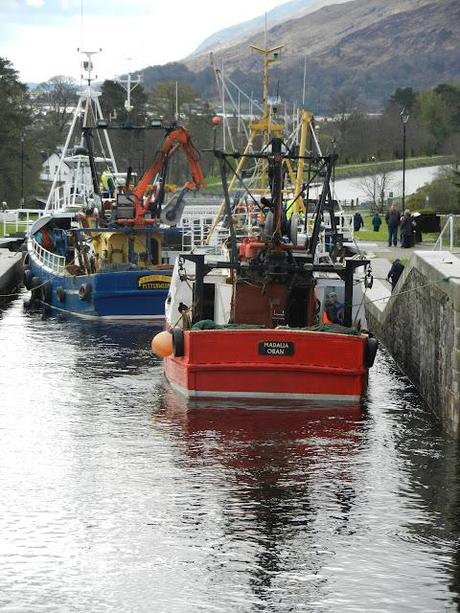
[(367, 46), (287, 10)]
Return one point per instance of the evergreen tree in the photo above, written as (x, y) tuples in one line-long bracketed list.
[(19, 161)]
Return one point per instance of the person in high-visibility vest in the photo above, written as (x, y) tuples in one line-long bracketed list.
[(290, 209), (107, 182)]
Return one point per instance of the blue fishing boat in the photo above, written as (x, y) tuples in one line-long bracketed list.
[(101, 248)]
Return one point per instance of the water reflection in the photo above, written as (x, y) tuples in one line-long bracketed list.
[(118, 496), (273, 458)]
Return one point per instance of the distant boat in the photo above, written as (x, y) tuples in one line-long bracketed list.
[(99, 252)]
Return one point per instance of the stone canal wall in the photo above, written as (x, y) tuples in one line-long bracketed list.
[(420, 325), (10, 270)]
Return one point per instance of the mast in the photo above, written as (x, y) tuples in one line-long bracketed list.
[(88, 104), (129, 85), (265, 126)]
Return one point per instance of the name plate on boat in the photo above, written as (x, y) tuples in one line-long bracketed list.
[(276, 348), (153, 282)]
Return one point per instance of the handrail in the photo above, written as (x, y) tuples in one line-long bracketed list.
[(65, 196), (52, 260), (20, 219), (449, 225)]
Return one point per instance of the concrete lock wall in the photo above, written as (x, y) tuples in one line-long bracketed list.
[(419, 323)]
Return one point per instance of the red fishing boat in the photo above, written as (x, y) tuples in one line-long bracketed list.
[(272, 319)]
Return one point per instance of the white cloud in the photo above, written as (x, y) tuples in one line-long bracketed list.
[(36, 4), (148, 32)]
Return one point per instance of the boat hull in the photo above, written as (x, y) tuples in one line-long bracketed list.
[(111, 295), (269, 364)]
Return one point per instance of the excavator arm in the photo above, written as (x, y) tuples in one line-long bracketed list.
[(176, 138)]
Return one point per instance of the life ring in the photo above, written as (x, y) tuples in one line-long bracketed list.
[(60, 293), (84, 291), (27, 278), (178, 342), (370, 351)]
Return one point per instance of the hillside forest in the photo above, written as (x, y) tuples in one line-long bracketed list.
[(34, 123)]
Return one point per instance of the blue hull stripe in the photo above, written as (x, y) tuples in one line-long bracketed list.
[(111, 294)]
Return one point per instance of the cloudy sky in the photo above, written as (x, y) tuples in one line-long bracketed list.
[(41, 37)]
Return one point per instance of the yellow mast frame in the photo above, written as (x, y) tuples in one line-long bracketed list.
[(267, 127)]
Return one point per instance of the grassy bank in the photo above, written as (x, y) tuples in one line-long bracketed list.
[(371, 168), (213, 184), (367, 233)]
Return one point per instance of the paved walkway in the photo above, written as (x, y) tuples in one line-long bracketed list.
[(382, 256)]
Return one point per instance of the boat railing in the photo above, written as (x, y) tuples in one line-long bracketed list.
[(345, 225), (66, 197), (194, 211), (19, 221), (51, 260), (195, 233), (197, 221)]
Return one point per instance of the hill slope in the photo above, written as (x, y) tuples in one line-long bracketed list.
[(229, 36), (367, 47)]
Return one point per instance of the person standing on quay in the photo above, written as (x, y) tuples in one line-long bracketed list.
[(407, 230), (392, 218), (395, 272), (358, 222), (376, 222)]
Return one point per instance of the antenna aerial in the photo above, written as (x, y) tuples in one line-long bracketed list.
[(129, 85), (87, 65)]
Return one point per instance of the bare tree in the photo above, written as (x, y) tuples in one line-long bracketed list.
[(57, 97), (376, 187)]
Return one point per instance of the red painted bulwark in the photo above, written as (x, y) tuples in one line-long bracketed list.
[(295, 363)]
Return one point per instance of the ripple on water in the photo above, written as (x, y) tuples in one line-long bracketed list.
[(116, 496)]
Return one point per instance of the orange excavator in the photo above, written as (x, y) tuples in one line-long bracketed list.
[(149, 198)]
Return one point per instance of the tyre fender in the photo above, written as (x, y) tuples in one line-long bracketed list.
[(370, 352), (178, 342), (45, 292), (35, 288), (27, 278), (84, 291), (60, 294)]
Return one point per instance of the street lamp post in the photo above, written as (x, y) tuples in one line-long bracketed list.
[(22, 171), (404, 119)]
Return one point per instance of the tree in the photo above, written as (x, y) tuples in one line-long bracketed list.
[(433, 113), (377, 187), (441, 195), (113, 99), (162, 99), (450, 94), (19, 161), (54, 102), (404, 97)]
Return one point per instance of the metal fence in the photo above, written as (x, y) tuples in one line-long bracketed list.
[(19, 220)]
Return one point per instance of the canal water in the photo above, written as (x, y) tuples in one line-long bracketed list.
[(115, 496), (347, 189)]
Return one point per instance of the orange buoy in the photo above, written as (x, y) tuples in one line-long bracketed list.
[(216, 120), (162, 344)]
